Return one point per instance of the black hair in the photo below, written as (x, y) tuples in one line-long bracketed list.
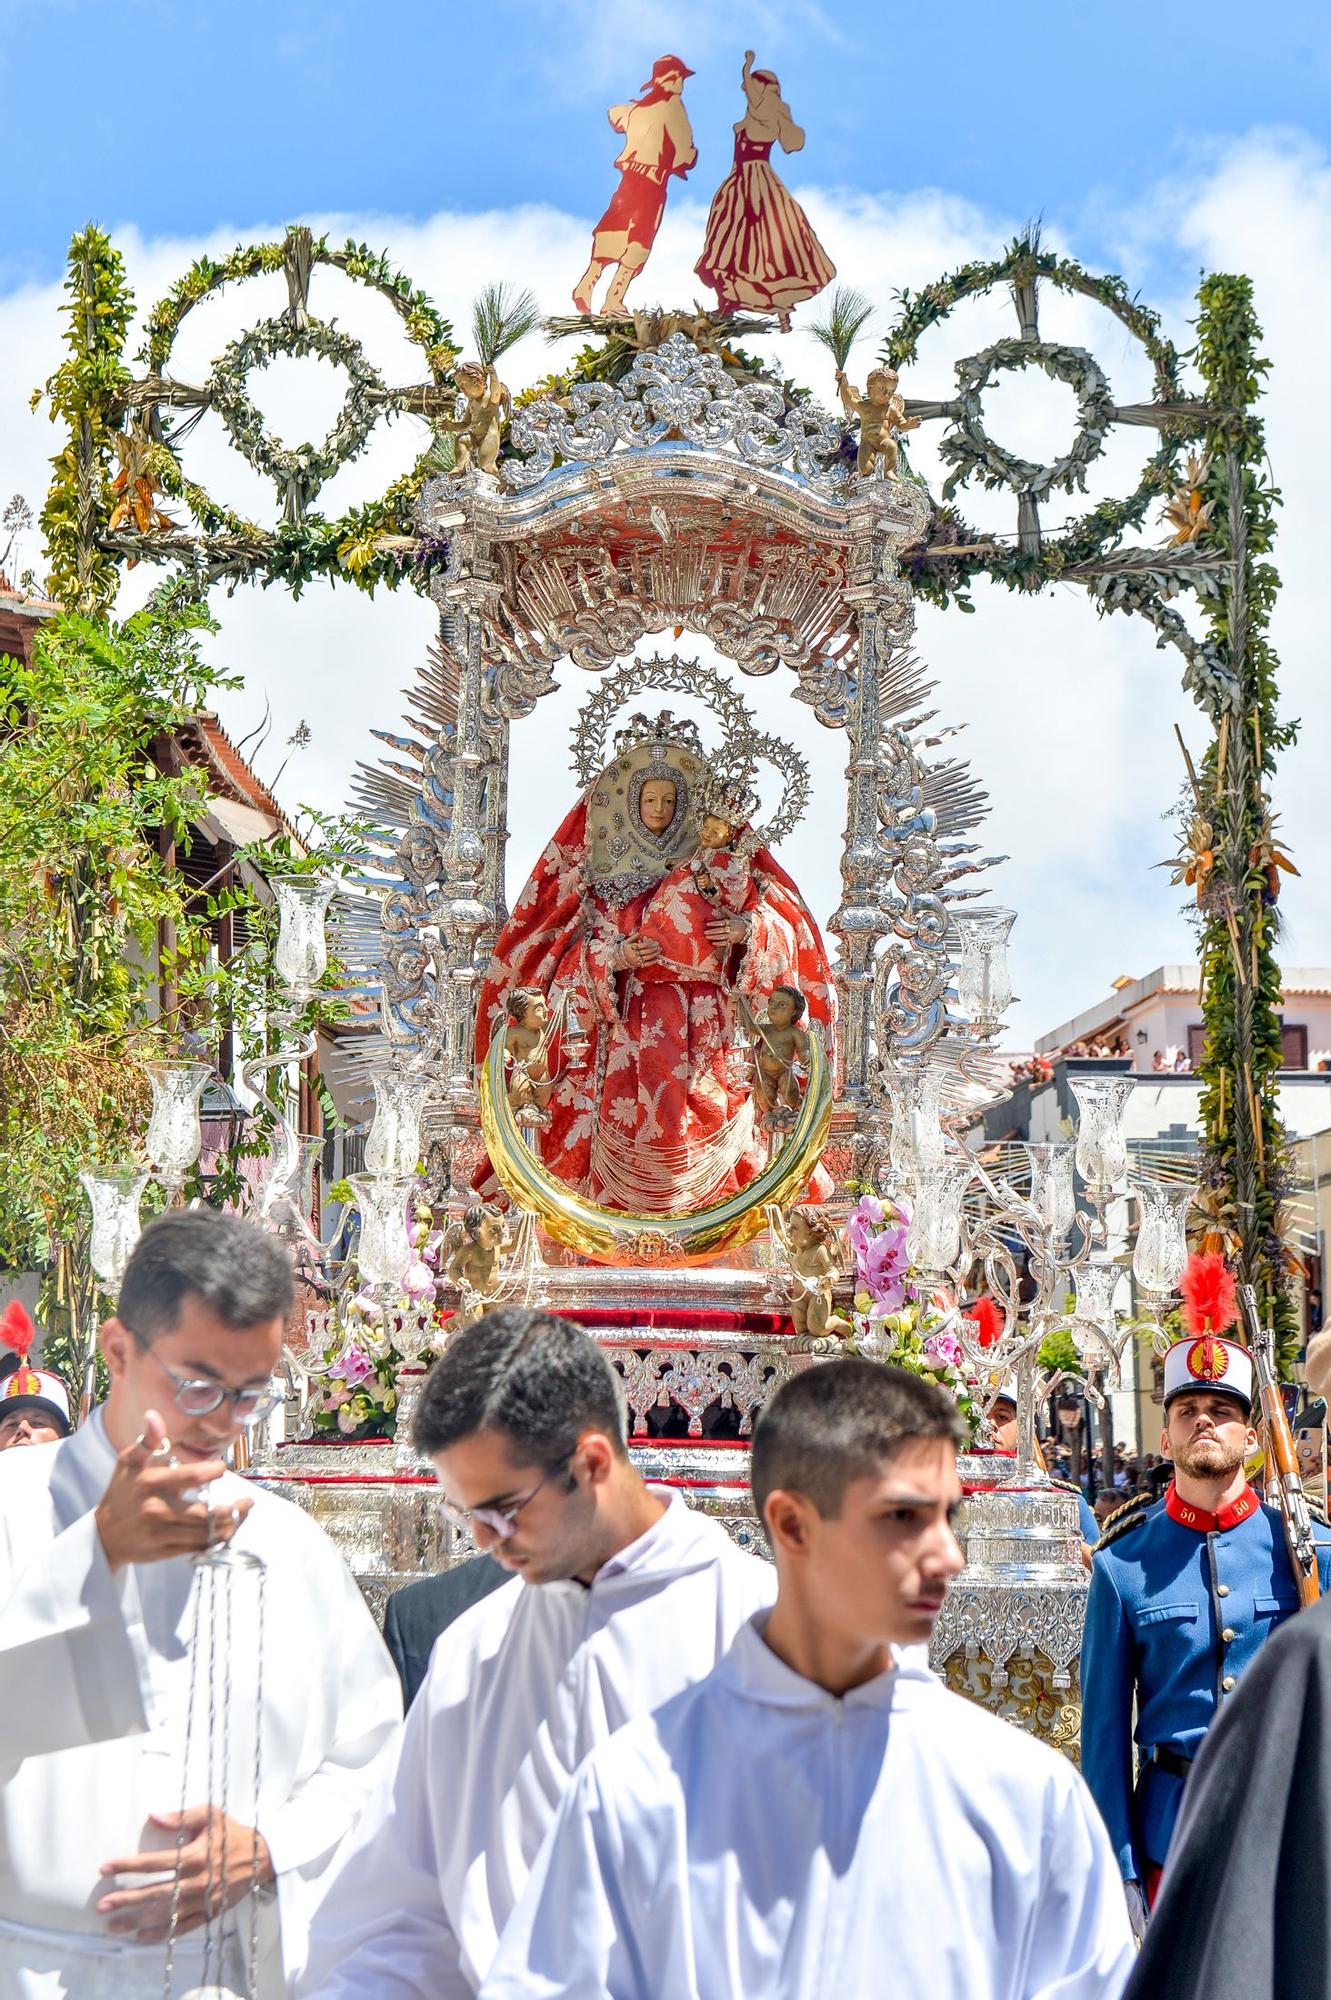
[(517, 1000), (840, 1421), (538, 1379), (801, 1004), (241, 1274)]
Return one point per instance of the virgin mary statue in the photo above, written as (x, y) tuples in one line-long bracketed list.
[(622, 914)]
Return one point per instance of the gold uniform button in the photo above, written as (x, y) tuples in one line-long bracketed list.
[(1222, 1590), (1227, 1683), (1228, 1635)]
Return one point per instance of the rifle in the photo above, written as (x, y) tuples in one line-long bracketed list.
[(1283, 1483)]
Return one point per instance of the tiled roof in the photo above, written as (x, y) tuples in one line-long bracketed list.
[(209, 748)]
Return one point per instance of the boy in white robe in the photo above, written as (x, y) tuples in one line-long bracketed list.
[(821, 1818), (620, 1597), (96, 1583)]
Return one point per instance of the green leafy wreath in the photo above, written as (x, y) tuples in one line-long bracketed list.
[(969, 447), (942, 578), (306, 546), (307, 464)]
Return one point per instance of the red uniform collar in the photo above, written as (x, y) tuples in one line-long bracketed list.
[(1197, 1518)]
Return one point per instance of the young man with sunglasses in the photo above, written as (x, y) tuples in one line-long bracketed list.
[(620, 1596), (98, 1653)]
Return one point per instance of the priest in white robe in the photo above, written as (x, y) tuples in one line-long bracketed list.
[(620, 1597), (96, 1620), (821, 1818)]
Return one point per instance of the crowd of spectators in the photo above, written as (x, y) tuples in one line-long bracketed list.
[(1134, 1474), (1040, 1069)]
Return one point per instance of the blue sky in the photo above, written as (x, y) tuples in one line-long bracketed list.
[(472, 145), (263, 109)]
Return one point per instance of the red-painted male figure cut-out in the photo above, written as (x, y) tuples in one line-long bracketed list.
[(658, 142)]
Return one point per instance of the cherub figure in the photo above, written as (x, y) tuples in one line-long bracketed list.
[(471, 1256), (527, 1047), (780, 1045), (882, 415), (480, 431), (811, 1236)]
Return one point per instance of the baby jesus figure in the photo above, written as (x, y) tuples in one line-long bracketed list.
[(780, 1048), (703, 908), (882, 415)]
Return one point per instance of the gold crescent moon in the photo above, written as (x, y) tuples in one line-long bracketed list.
[(610, 1235)]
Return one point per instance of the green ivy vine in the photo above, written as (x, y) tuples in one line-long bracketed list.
[(82, 575), (1246, 1166)]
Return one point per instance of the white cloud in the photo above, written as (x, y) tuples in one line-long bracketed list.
[(1070, 718)]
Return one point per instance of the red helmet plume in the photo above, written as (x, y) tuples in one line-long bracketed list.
[(1210, 1295), (17, 1329)]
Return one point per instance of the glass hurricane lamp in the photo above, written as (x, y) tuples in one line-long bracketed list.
[(393, 1144), (175, 1136), (1052, 1195), (115, 1194), (384, 1253), (934, 1236), (984, 984), (1161, 1249), (301, 957), (1102, 1145)]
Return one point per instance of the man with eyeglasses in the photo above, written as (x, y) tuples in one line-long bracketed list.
[(620, 1596), (96, 1654)]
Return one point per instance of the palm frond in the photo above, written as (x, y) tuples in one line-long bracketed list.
[(500, 318), (847, 313)]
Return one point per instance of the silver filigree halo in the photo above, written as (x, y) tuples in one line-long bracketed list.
[(675, 392), (745, 746)]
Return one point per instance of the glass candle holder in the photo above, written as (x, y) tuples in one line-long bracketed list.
[(301, 957), (984, 984), (1052, 1194), (1095, 1285), (175, 1137), (916, 1145), (1161, 1249), (1102, 1145), (115, 1194), (393, 1144), (383, 1253), (934, 1236), (282, 1197)]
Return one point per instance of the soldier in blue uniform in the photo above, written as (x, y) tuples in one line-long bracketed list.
[(1184, 1590)]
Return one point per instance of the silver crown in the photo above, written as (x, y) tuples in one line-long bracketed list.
[(728, 794), (657, 731)]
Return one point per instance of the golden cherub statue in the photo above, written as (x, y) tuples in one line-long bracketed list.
[(471, 1256), (780, 1047), (479, 432), (811, 1237), (527, 1048), (882, 415)]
